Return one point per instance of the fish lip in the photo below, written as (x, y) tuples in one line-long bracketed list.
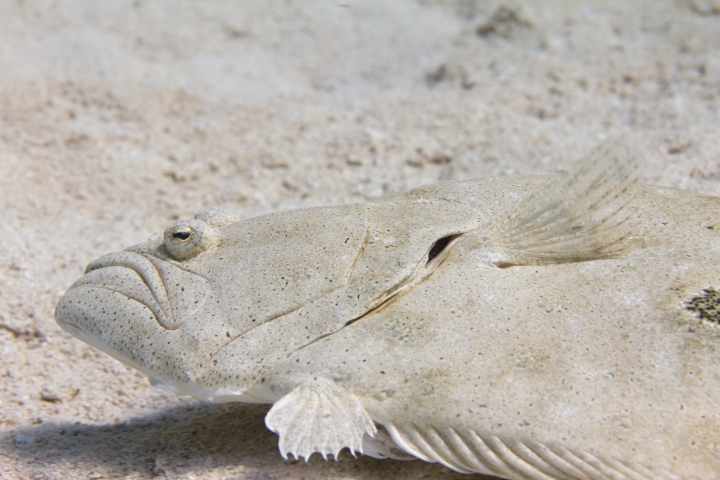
[(80, 333), (149, 274)]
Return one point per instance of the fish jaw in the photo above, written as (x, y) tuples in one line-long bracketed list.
[(148, 274), (109, 318), (123, 306)]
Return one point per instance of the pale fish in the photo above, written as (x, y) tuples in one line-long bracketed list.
[(525, 327)]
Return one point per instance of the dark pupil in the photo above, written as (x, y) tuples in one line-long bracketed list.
[(181, 235)]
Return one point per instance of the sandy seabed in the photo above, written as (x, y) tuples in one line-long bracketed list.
[(120, 117)]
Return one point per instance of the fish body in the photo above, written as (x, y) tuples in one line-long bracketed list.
[(524, 327)]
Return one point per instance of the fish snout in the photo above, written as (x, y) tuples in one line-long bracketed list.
[(151, 282)]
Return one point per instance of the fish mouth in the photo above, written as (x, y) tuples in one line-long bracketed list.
[(119, 272), (70, 319), (110, 308)]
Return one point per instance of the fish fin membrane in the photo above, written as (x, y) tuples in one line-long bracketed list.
[(319, 416), (579, 216), (467, 451), (382, 446)]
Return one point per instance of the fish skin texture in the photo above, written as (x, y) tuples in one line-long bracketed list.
[(524, 327)]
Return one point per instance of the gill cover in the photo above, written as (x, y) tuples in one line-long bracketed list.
[(577, 216)]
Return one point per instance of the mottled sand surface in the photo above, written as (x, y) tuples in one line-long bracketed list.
[(119, 117)]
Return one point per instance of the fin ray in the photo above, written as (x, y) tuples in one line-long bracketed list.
[(382, 446), (466, 450), (319, 417), (576, 217)]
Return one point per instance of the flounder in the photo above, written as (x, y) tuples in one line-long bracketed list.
[(525, 327)]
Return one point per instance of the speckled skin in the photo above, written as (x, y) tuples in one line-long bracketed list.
[(600, 358), (567, 369)]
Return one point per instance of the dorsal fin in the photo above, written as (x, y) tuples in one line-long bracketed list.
[(575, 217), (382, 446), (467, 451)]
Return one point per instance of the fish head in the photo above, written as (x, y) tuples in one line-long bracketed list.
[(167, 306)]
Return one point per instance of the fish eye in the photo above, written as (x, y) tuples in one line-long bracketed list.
[(187, 238), (181, 233)]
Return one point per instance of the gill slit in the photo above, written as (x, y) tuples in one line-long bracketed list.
[(397, 292), (366, 238)]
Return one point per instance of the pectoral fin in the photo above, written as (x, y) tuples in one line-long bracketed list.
[(319, 416), (577, 217)]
